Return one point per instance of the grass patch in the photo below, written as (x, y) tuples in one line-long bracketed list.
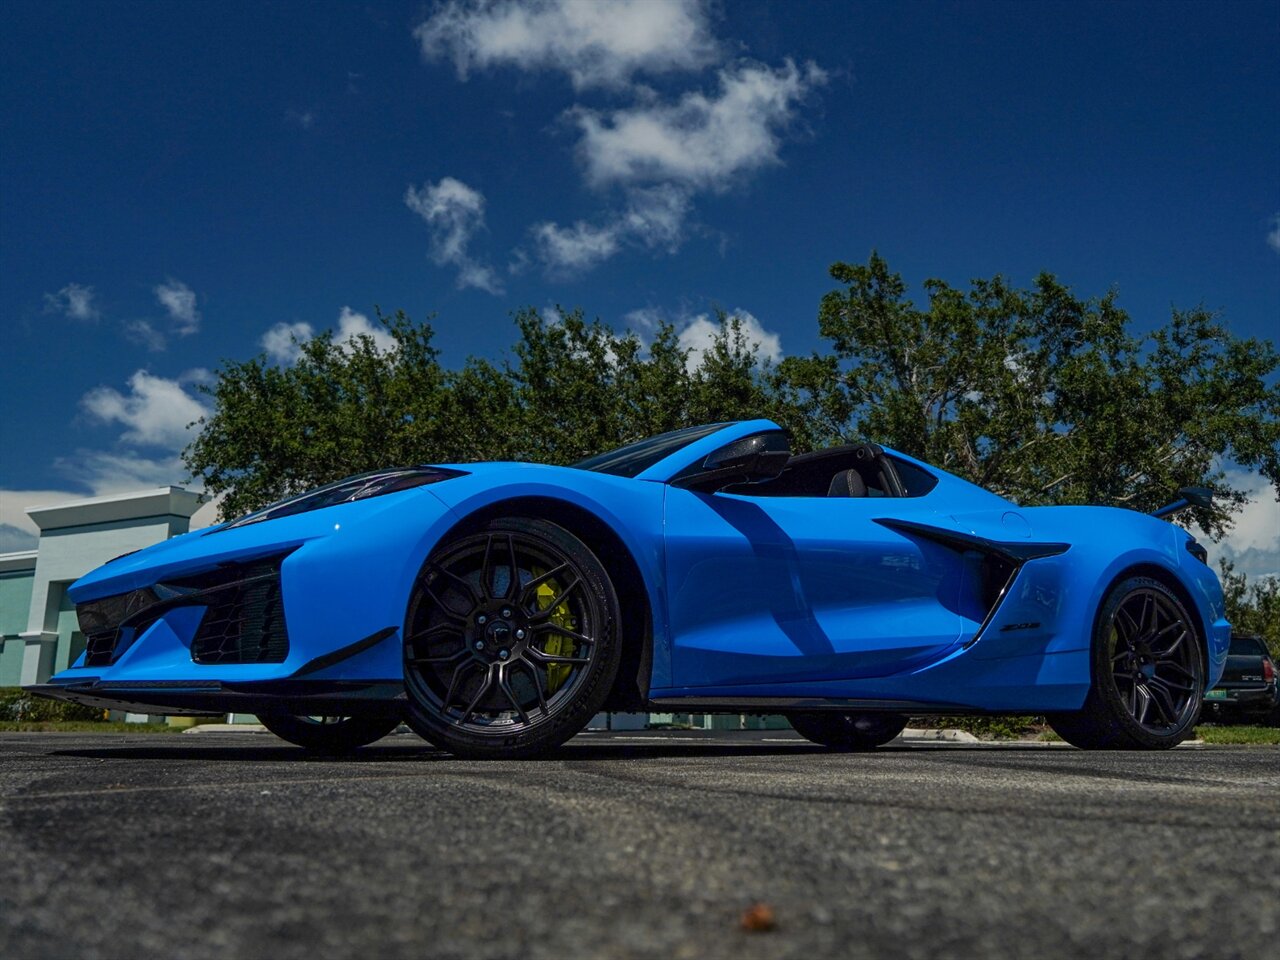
[(82, 726), (1237, 735)]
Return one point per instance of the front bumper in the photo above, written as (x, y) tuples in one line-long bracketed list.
[(207, 698), (173, 622)]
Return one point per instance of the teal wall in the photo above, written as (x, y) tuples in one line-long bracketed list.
[(15, 604)]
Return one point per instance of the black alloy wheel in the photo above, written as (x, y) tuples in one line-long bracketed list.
[(510, 640), (848, 731), (1148, 673), (328, 734)]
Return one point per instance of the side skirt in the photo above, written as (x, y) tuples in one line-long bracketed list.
[(760, 705)]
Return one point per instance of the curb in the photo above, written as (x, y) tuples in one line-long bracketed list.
[(947, 736), (226, 728)]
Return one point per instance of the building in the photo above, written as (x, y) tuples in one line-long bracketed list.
[(38, 627)]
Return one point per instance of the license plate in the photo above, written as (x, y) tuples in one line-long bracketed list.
[(1216, 695)]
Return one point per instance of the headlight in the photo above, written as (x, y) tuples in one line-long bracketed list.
[(360, 487)]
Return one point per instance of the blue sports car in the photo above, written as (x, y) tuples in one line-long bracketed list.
[(496, 607)]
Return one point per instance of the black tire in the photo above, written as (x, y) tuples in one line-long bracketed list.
[(848, 731), (502, 666), (329, 734), (1147, 673)]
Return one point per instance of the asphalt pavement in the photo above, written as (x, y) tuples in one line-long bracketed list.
[(634, 845)]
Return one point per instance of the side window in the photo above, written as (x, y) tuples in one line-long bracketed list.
[(915, 482)]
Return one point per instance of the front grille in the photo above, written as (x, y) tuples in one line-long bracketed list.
[(243, 621), (110, 624)]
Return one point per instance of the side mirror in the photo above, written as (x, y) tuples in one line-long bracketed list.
[(749, 460)]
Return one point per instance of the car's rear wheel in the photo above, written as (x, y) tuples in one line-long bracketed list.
[(329, 734), (848, 731), (511, 640), (1148, 673)]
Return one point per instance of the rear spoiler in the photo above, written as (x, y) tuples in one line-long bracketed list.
[(1187, 497)]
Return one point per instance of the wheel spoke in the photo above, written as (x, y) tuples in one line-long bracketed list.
[(1161, 697), (462, 582), (505, 687), (550, 608), (540, 579), (1168, 651), (486, 568), (444, 658), (1133, 628), (1176, 667), (453, 683), (475, 701), (552, 627), (441, 606), (552, 658), (513, 583), (1171, 684), (537, 685), (1142, 699)]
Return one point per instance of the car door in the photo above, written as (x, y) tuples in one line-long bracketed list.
[(778, 590)]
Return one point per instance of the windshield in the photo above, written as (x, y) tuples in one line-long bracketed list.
[(635, 458)]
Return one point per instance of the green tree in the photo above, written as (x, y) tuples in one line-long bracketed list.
[(1252, 607), (1037, 394), (568, 389), (342, 408)]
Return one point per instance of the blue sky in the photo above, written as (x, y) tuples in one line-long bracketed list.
[(180, 180)]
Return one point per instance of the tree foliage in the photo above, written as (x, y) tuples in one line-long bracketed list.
[(1038, 394), (1252, 606)]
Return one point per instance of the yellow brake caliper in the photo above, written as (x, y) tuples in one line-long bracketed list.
[(557, 644)]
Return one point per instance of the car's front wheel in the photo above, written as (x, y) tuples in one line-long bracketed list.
[(329, 734), (511, 640), (1148, 673), (848, 731)]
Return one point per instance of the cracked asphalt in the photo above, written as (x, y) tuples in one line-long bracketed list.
[(633, 845)]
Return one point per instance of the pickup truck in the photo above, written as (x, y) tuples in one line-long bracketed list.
[(1247, 690)]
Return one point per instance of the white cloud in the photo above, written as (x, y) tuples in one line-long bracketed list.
[(574, 249), (352, 325), (74, 301), (700, 332), (179, 301), (700, 141), (143, 333), (108, 472), (642, 320), (595, 43), (283, 342), (1273, 236), (1253, 543), (454, 212), (155, 411), (653, 218), (19, 532)]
